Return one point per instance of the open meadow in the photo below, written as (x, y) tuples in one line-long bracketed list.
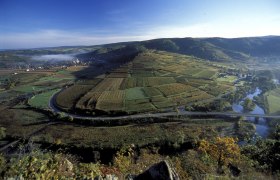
[(273, 101)]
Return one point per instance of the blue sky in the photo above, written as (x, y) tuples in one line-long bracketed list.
[(44, 23)]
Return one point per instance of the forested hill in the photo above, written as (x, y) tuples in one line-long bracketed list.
[(220, 49), (265, 48), (213, 49)]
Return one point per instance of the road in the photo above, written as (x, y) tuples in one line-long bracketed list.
[(155, 115)]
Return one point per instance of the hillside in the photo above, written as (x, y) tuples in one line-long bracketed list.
[(220, 49), (214, 49), (151, 81), (159, 74)]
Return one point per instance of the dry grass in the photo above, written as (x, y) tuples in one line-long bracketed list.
[(111, 100)]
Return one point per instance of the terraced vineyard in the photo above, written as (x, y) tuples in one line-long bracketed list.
[(152, 81)]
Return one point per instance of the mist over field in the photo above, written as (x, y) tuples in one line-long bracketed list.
[(54, 57)]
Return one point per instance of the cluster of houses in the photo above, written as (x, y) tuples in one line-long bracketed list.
[(47, 65)]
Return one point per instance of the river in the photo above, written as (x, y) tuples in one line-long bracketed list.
[(262, 128)]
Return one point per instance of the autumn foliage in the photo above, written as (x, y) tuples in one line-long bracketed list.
[(223, 150)]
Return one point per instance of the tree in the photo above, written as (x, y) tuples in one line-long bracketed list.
[(265, 153), (248, 104), (276, 134), (224, 150), (124, 159)]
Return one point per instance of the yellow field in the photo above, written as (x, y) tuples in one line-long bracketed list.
[(111, 100), (109, 84)]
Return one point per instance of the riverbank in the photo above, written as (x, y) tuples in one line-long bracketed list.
[(262, 128)]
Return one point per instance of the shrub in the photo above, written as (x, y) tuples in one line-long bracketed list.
[(124, 159), (223, 150), (38, 165), (87, 171)]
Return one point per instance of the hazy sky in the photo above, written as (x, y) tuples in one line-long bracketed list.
[(42, 23)]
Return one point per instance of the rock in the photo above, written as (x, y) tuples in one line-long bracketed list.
[(130, 177), (69, 165), (110, 177), (235, 171), (160, 171)]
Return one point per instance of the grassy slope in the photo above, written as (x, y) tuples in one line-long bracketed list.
[(219, 49), (273, 99), (42, 100)]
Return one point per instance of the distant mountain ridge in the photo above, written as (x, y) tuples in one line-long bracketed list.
[(213, 49), (220, 49)]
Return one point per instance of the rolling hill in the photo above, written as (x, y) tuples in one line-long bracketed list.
[(213, 49)]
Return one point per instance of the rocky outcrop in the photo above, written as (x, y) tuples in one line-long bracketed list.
[(159, 171)]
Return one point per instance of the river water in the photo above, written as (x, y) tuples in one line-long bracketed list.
[(262, 128)]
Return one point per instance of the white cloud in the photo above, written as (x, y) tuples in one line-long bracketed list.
[(230, 30), (49, 38)]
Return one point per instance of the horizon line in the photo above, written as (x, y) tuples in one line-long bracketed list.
[(103, 44)]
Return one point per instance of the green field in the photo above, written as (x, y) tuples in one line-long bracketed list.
[(54, 78), (230, 79), (29, 88), (206, 74), (42, 100), (50, 78), (273, 101), (134, 93)]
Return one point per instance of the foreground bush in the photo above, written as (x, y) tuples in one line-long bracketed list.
[(223, 150)]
